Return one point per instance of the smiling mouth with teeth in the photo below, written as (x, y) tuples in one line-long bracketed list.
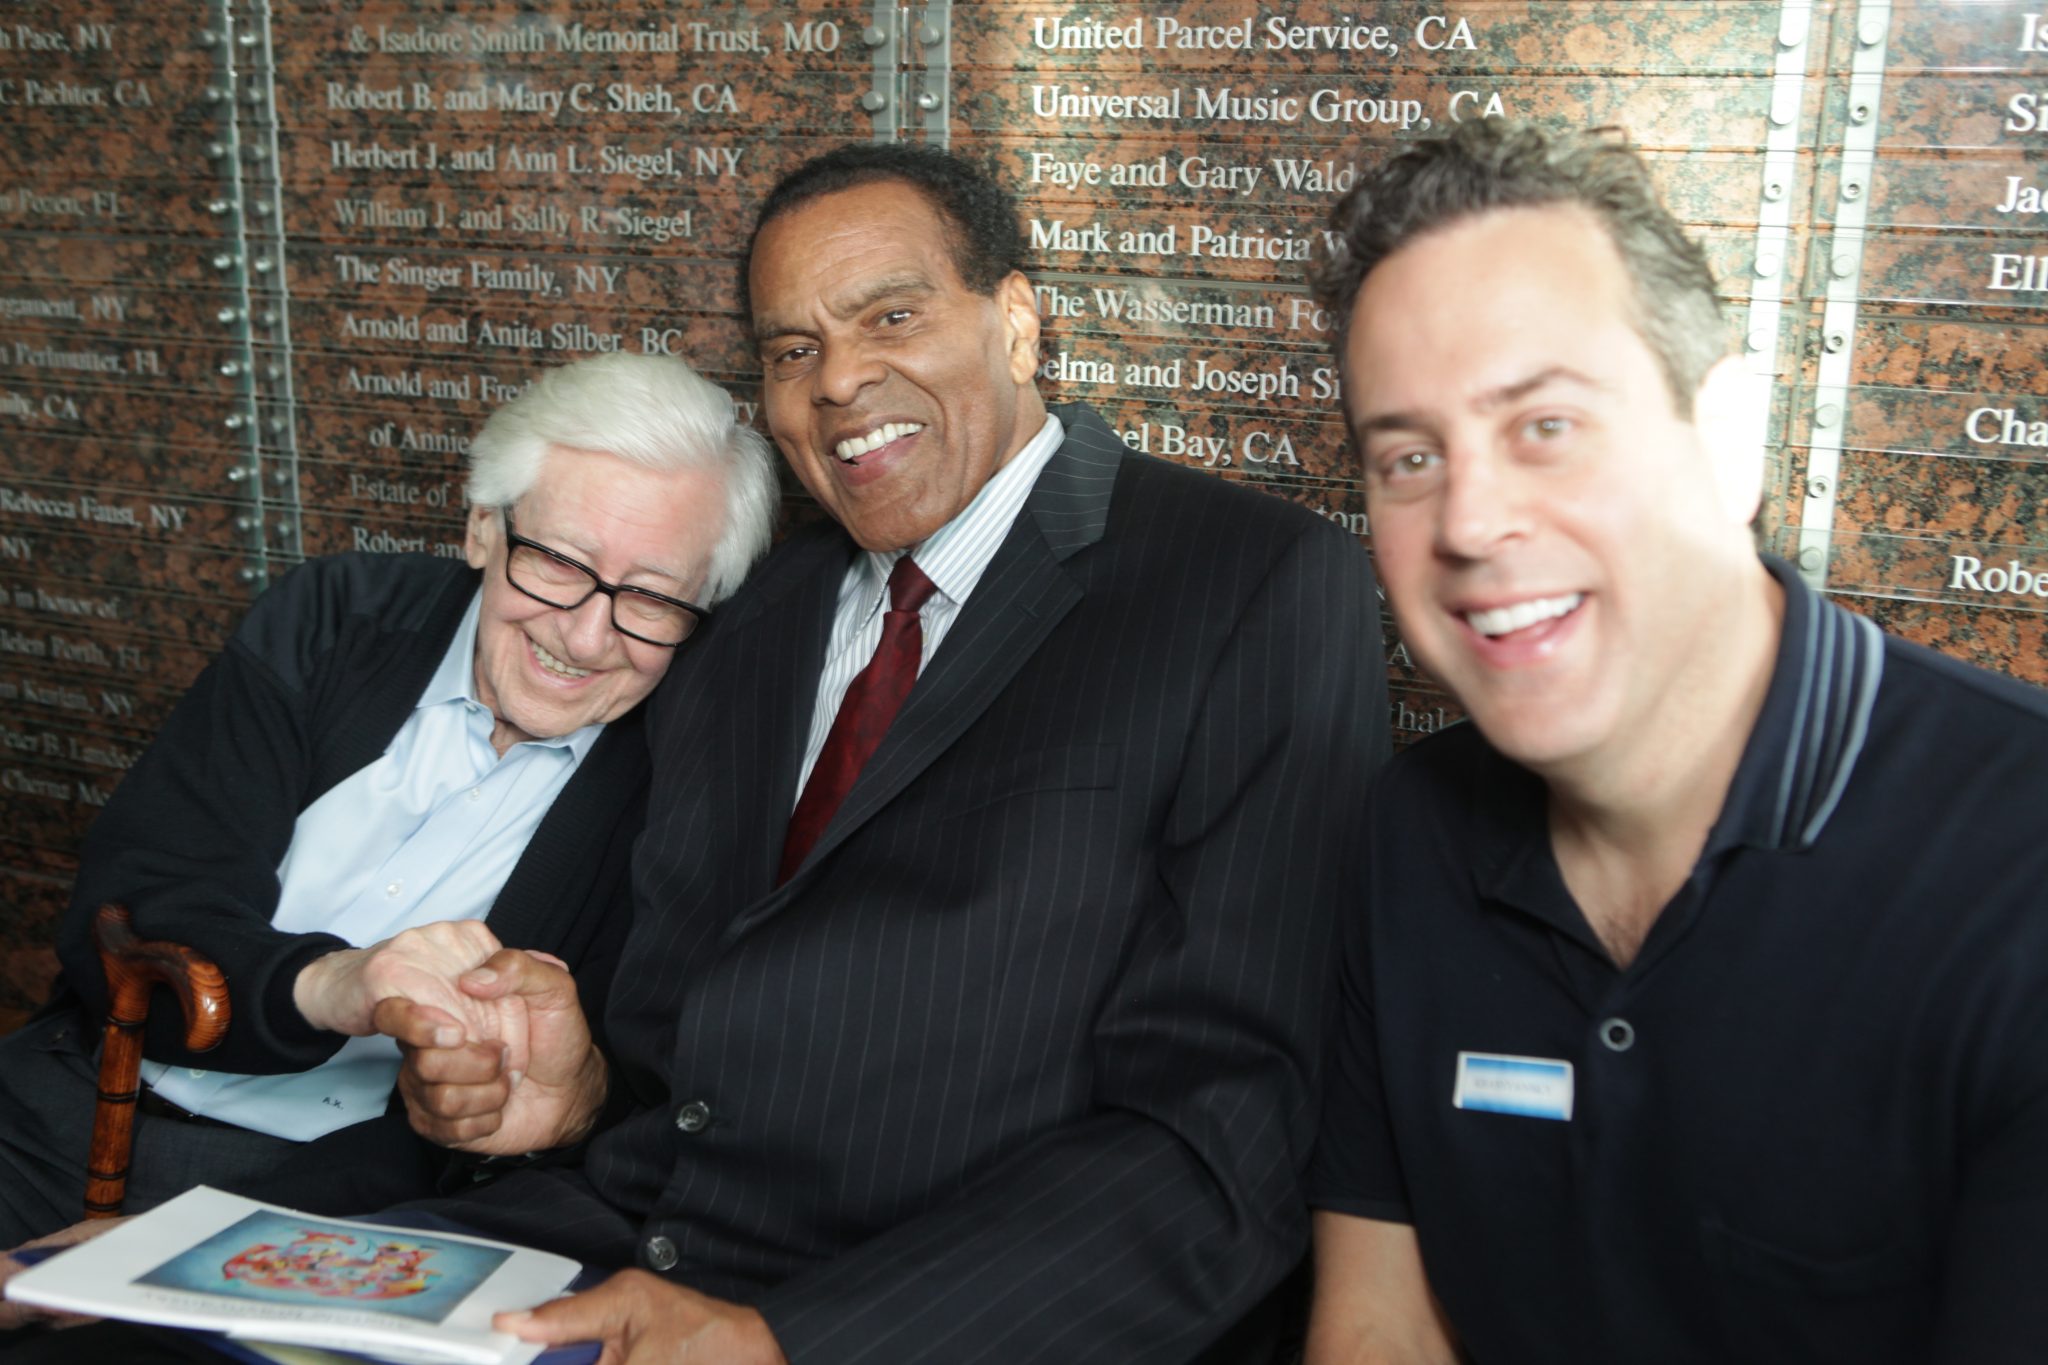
[(556, 666), (853, 447), (1498, 621)]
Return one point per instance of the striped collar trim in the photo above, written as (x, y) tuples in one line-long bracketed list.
[(1815, 722)]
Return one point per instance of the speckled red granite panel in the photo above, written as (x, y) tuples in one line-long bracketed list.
[(33, 897), (426, 201), (1992, 637)]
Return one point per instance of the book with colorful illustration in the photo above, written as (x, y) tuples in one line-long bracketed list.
[(266, 1274)]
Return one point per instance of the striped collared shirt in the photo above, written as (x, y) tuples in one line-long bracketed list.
[(954, 557)]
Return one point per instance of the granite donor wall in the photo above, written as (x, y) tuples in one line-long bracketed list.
[(264, 265)]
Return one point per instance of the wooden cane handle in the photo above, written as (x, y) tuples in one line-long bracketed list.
[(132, 966)]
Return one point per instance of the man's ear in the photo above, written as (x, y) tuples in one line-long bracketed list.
[(1731, 412), (479, 533), (1019, 305)]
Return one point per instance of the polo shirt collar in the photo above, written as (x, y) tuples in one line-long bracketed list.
[(1793, 771), (1811, 731)]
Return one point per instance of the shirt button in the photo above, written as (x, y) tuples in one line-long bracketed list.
[(1618, 1033), (195, 1073), (394, 889), (661, 1253), (694, 1117), (476, 793)]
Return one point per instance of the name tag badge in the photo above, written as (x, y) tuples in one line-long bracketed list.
[(1533, 1087)]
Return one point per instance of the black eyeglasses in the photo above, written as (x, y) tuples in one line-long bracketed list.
[(553, 578)]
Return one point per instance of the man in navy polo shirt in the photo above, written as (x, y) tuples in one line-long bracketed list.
[(1698, 1008)]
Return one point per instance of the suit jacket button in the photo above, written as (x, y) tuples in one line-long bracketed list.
[(661, 1253), (694, 1117)]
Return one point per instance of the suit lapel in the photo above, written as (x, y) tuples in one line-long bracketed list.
[(774, 645), (1022, 596)]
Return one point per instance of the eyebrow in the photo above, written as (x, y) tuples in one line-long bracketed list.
[(583, 554), (1487, 401), (906, 285)]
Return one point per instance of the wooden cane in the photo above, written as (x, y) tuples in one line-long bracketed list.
[(132, 966)]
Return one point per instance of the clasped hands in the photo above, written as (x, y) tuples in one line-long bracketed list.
[(497, 1057), (498, 1060)]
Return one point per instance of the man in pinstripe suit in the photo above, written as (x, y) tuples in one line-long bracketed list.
[(1019, 1059)]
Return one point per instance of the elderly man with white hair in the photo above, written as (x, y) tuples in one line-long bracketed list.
[(397, 764)]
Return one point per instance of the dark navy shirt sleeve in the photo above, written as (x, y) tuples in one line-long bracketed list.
[(1356, 1169)]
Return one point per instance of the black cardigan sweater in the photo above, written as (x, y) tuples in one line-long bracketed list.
[(312, 686)]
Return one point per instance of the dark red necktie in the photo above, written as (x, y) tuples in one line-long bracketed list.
[(871, 703)]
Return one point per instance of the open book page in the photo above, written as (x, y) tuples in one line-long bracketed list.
[(252, 1270)]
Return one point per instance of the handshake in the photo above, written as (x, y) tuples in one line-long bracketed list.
[(497, 1055), (468, 1015), (497, 1059)]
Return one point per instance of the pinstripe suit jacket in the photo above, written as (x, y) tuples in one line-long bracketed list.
[(1022, 1064)]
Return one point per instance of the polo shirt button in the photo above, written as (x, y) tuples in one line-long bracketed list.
[(694, 1117), (661, 1253), (1618, 1033)]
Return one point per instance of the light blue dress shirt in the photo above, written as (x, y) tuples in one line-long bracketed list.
[(428, 832)]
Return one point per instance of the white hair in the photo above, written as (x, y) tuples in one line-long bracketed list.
[(652, 410)]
